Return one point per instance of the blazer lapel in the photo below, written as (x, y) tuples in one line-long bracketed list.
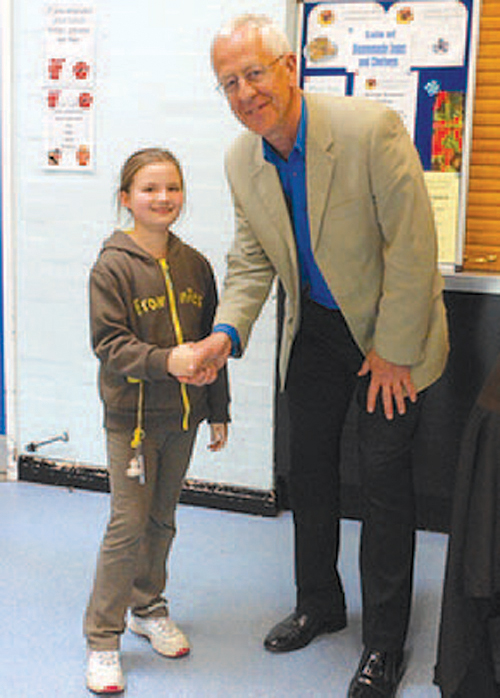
[(270, 195), (320, 165), (320, 168)]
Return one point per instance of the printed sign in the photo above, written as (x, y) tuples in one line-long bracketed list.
[(68, 88)]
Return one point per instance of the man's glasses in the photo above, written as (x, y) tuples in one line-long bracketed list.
[(252, 76)]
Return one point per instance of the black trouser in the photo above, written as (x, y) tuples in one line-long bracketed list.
[(320, 384)]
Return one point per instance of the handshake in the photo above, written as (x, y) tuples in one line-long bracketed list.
[(197, 363)]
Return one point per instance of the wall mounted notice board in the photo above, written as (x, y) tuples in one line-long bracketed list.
[(419, 58)]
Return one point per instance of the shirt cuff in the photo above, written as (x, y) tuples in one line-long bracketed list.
[(233, 335)]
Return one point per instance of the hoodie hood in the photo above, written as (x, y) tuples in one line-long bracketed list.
[(123, 241)]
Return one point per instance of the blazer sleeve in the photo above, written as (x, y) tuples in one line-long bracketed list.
[(248, 280), (218, 395), (410, 280)]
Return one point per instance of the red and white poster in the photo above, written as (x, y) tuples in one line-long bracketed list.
[(68, 87)]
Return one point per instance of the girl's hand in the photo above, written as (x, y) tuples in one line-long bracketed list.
[(218, 437), (206, 358), (180, 361)]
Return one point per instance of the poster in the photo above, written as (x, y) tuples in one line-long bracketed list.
[(413, 56), (398, 91), (444, 195), (68, 88)]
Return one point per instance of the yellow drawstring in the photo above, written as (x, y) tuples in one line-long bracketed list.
[(178, 336), (138, 431), (139, 434), (137, 466)]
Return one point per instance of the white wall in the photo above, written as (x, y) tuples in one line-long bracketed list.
[(154, 86)]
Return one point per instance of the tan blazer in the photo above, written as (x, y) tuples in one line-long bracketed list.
[(372, 235)]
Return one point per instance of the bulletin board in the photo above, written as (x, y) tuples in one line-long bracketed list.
[(417, 57)]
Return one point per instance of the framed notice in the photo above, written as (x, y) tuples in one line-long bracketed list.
[(418, 58), (68, 88)]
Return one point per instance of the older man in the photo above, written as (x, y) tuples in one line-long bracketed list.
[(329, 196)]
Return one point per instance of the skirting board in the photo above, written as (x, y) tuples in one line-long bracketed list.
[(195, 492), (433, 513)]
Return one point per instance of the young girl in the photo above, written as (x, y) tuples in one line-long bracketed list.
[(149, 294)]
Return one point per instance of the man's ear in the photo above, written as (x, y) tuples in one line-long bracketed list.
[(290, 61)]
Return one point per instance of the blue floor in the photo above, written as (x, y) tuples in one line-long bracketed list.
[(230, 581)]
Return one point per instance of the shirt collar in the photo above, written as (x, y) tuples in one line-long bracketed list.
[(272, 156)]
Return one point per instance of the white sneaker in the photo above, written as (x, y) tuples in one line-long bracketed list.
[(164, 635), (104, 673)]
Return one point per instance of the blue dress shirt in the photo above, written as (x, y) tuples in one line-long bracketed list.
[(292, 174)]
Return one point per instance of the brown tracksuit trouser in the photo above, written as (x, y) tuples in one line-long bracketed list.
[(131, 567)]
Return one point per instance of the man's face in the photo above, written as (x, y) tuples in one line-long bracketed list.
[(264, 107)]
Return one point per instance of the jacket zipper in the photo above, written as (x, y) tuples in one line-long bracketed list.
[(178, 336)]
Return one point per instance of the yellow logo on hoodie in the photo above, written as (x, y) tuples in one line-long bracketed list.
[(145, 305), (191, 297)]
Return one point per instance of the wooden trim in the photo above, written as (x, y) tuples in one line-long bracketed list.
[(487, 212), (490, 10), (484, 198), (490, 76), (482, 239), (482, 133), (487, 157), (485, 92), (489, 37), (484, 172), (490, 228)]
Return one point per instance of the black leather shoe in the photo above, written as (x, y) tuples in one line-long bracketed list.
[(378, 675), (298, 629)]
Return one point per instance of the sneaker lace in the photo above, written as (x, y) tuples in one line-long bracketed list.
[(165, 626), (108, 659)]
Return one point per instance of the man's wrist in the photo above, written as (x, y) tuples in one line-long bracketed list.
[(233, 335)]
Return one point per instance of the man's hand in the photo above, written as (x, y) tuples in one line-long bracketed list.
[(393, 381), (214, 351), (181, 363), (197, 363)]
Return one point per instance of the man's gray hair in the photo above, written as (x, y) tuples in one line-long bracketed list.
[(273, 37)]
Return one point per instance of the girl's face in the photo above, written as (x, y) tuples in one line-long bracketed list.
[(155, 196)]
